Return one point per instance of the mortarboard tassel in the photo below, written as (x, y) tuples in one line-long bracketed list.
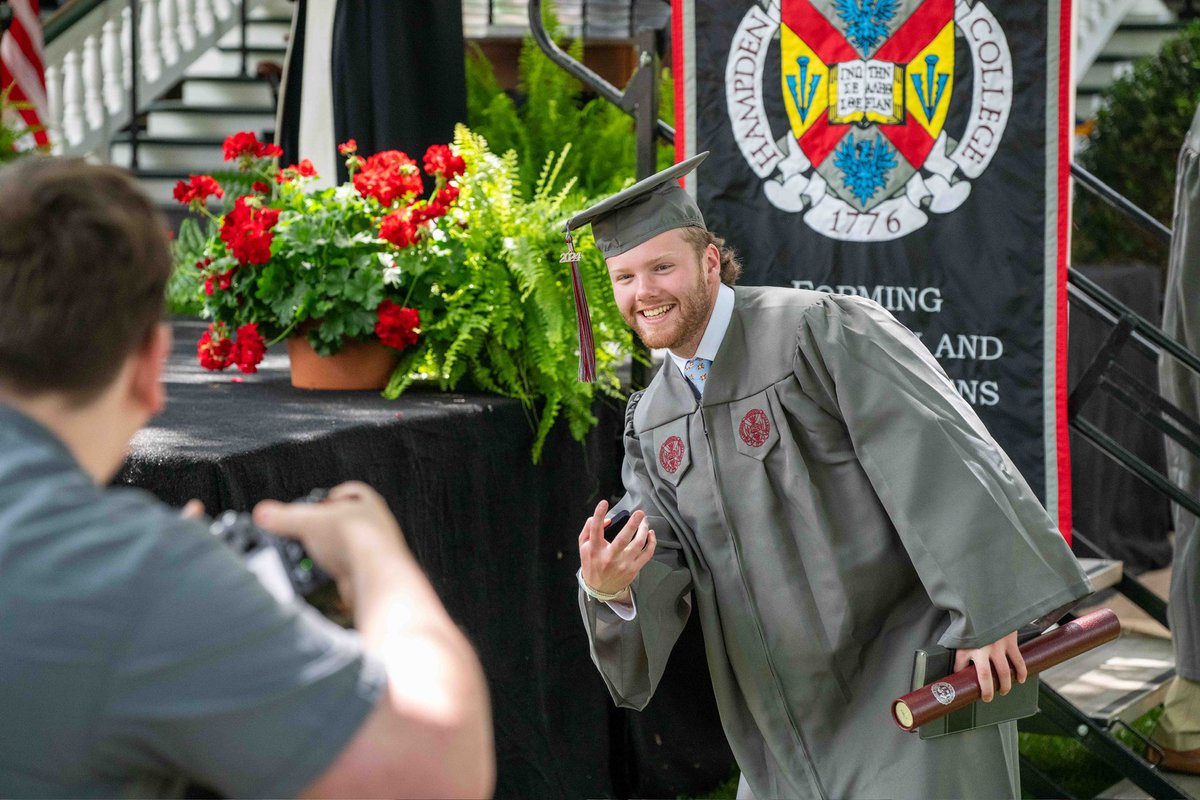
[(587, 345)]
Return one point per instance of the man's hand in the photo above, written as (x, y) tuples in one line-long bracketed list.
[(192, 509), (998, 656), (610, 567), (351, 527)]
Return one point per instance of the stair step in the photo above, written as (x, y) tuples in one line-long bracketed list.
[(260, 34), (173, 118), (159, 183), (196, 155), (180, 107), (256, 52), (1120, 680), (228, 61), (232, 90), (1189, 786), (1104, 573)]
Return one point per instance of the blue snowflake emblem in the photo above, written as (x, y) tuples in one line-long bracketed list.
[(866, 20), (864, 165)]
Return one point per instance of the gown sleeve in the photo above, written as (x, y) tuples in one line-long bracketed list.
[(983, 546), (632, 654)]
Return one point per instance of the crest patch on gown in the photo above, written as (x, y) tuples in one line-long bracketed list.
[(755, 428), (670, 455)]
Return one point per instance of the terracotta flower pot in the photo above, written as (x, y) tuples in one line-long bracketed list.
[(358, 365)]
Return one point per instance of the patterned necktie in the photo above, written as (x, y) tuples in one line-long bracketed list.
[(696, 371)]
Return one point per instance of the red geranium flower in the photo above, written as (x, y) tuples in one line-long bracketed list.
[(250, 348), (222, 281), (347, 147), (247, 144), (198, 189), (402, 227), (398, 327), (246, 231), (261, 187), (214, 348), (304, 169), (441, 161), (389, 176)]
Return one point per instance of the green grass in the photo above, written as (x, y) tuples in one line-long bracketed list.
[(1064, 760)]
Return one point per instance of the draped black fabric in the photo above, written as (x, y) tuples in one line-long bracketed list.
[(495, 533), (399, 79), (1122, 514), (287, 127)]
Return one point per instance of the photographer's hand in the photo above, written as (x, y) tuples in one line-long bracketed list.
[(433, 729)]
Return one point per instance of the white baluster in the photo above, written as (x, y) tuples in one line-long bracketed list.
[(187, 25), (168, 38), (222, 8), (54, 106), (149, 55), (72, 99), (204, 17), (126, 49), (111, 65), (93, 102)]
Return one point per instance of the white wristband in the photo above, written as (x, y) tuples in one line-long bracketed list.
[(603, 597)]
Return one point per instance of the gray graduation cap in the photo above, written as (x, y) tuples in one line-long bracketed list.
[(620, 223), (635, 215)]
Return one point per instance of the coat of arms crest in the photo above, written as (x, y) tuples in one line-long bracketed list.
[(867, 87)]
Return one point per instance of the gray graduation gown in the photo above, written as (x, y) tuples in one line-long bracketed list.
[(832, 505), (1181, 386)]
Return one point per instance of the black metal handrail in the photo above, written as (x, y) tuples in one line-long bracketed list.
[(623, 100), (66, 16), (1121, 203)]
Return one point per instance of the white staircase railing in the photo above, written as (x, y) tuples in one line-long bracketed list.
[(90, 65)]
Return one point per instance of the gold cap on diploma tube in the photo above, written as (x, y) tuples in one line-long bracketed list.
[(620, 223)]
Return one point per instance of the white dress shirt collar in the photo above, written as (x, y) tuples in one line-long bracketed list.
[(714, 334)]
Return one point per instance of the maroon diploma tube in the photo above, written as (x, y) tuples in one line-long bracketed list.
[(962, 688)]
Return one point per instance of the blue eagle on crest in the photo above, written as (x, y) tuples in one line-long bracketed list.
[(866, 20), (864, 165)]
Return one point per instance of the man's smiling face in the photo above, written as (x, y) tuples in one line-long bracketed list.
[(665, 291)]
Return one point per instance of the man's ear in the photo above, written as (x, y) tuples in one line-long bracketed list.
[(146, 386), (712, 263)]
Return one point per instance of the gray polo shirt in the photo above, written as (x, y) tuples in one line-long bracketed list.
[(137, 652)]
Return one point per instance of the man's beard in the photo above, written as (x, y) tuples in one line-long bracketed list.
[(692, 309)]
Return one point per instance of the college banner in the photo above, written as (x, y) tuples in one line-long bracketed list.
[(915, 152)]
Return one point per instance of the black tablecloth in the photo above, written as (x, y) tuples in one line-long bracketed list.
[(496, 534)]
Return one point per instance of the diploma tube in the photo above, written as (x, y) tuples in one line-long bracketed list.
[(960, 689)]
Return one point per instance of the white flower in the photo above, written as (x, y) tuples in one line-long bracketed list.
[(510, 243), (391, 276), (388, 260), (438, 234)]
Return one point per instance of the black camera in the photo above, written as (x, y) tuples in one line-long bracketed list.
[(278, 562)]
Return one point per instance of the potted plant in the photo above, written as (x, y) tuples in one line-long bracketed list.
[(458, 286)]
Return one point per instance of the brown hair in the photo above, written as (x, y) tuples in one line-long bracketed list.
[(731, 265), (84, 263)]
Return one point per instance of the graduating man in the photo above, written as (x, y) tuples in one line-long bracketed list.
[(803, 473)]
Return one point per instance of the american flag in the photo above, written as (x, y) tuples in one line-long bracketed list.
[(21, 66)]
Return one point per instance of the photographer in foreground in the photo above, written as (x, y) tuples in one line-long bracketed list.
[(139, 653)]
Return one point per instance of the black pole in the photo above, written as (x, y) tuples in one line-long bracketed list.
[(6, 16), (245, 52), (135, 73)]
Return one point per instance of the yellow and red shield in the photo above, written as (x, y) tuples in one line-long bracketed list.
[(867, 87)]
